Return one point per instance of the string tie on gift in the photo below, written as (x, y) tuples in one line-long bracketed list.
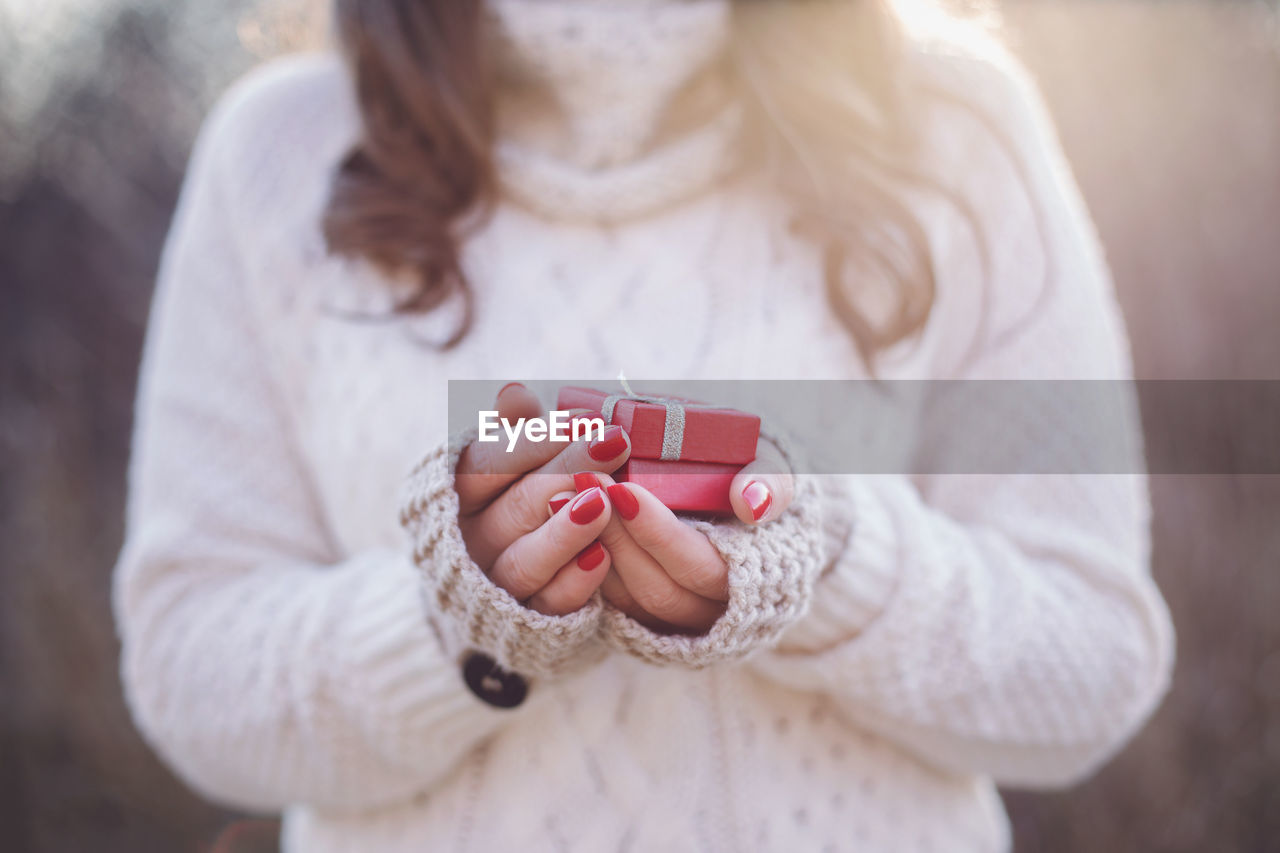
[(673, 424)]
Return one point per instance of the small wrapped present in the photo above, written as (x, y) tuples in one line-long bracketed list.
[(685, 453)]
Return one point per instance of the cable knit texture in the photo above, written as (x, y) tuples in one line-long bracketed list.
[(952, 633), (591, 148), (467, 610)]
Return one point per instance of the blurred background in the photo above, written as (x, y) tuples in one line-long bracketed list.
[(1169, 111)]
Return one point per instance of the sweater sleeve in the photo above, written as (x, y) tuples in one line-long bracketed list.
[(1006, 624), (264, 665)]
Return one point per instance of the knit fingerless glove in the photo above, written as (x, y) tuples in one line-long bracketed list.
[(464, 607), (772, 570)]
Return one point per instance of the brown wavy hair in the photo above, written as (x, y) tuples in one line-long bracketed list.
[(833, 105)]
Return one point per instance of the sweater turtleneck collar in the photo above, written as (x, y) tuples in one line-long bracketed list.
[(612, 109)]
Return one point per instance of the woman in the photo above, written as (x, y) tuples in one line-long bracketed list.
[(556, 189)]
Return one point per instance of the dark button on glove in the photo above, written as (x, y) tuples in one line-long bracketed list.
[(492, 683)]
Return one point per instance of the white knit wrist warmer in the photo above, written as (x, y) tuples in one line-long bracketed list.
[(464, 607), (772, 569)]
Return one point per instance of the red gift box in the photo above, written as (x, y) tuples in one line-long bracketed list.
[(701, 487), (684, 452)]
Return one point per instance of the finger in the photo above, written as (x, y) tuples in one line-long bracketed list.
[(523, 507), (614, 591), (650, 587), (642, 578), (762, 490), (558, 501), (533, 559), (574, 584), (515, 401), (684, 554), (612, 588), (486, 468), (480, 473)]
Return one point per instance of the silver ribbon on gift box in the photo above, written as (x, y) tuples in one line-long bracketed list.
[(673, 425)]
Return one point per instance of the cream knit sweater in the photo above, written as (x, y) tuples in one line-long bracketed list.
[(279, 650)]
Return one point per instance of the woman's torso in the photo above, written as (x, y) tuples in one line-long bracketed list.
[(625, 755)]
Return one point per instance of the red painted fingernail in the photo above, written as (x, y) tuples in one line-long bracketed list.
[(504, 388), (591, 556), (557, 504), (623, 501), (610, 445), (584, 480), (587, 506), (758, 498)]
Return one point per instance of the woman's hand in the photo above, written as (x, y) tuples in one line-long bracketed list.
[(667, 575), (553, 566)]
